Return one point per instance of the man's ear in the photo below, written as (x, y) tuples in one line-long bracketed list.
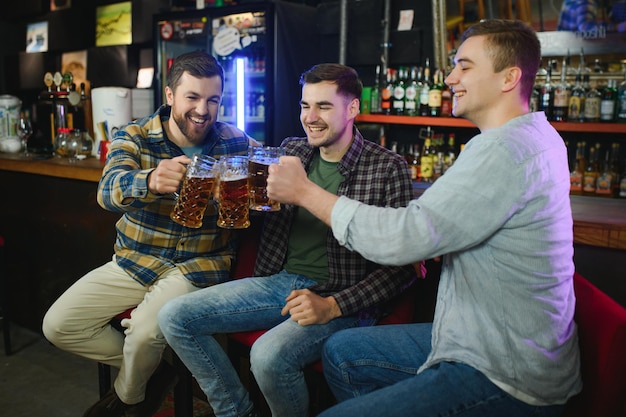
[(354, 107), (169, 95), (512, 77)]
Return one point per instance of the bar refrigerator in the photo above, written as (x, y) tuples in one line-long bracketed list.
[(263, 47)]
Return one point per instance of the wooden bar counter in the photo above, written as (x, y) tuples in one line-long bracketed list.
[(89, 169), (55, 232)]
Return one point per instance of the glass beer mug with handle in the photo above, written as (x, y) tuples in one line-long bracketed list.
[(196, 191), (260, 158), (233, 193)]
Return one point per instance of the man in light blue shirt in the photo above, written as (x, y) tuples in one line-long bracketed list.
[(503, 341)]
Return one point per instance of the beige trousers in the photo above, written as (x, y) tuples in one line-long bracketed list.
[(78, 322)]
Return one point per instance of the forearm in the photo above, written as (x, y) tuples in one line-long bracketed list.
[(289, 184), (318, 202)]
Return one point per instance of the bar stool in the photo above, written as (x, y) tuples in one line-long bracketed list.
[(4, 313)]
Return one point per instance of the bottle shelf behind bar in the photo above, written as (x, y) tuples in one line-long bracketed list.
[(598, 127)]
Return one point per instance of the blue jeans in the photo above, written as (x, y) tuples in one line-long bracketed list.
[(277, 359), (373, 372)]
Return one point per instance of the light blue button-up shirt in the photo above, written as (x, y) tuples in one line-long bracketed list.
[(501, 216)]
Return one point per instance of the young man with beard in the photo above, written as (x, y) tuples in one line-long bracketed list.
[(155, 258), (503, 341), (306, 286)]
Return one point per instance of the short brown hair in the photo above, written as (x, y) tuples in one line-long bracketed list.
[(511, 43), (196, 63), (346, 78)]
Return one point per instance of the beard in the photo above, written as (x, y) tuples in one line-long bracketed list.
[(192, 132)]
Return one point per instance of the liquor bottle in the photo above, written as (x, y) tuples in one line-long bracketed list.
[(399, 89), (375, 94), (409, 156), (592, 104), (576, 105), (438, 157), (415, 163), (434, 95), (427, 158), (425, 90), (533, 102), (446, 101), (622, 183), (621, 101), (546, 95), (571, 71), (604, 186), (576, 176), (450, 153), (561, 96), (410, 94), (386, 94), (582, 66), (608, 101), (616, 169), (590, 176), (382, 136)]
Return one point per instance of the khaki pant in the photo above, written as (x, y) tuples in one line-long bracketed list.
[(78, 322)]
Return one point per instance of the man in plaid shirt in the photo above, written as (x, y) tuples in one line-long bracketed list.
[(307, 286), (155, 258)]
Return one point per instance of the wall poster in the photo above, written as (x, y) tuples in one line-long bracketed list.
[(37, 37), (114, 24)]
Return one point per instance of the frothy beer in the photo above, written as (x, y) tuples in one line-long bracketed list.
[(261, 157), (233, 197), (195, 192), (259, 200), (193, 200)]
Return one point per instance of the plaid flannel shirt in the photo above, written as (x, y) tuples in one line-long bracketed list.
[(373, 175), (148, 243), (578, 15)]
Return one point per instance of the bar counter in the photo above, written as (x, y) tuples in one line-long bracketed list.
[(597, 221), (88, 169)]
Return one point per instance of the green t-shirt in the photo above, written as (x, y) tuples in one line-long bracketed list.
[(306, 253)]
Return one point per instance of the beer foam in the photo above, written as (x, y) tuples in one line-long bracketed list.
[(264, 160), (233, 176)]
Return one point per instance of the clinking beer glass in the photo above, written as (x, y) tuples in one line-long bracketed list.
[(198, 186), (233, 193), (261, 157)]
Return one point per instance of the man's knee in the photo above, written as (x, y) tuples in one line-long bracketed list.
[(53, 326)]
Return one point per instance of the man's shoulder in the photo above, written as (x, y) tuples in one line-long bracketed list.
[(228, 131), (146, 127), (374, 149)]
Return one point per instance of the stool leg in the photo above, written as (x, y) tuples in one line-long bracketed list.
[(104, 378), (183, 391)]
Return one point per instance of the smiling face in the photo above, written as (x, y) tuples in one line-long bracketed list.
[(327, 117), (195, 103), (476, 86)]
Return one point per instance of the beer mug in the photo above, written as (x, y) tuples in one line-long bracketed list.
[(198, 186), (261, 157), (233, 195)]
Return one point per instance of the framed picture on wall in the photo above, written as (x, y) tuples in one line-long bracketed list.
[(60, 5), (37, 37), (114, 24), (76, 64)]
